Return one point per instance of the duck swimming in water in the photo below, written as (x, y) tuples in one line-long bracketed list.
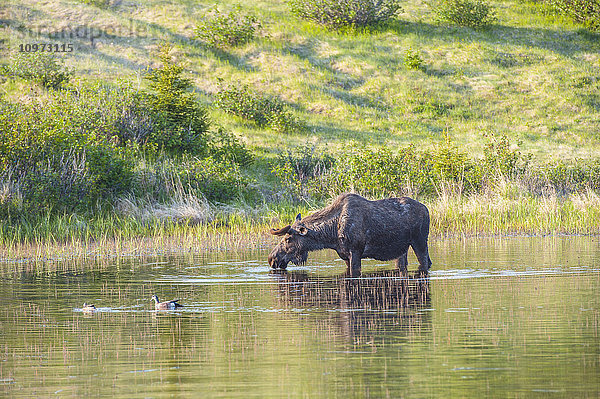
[(167, 305), (88, 308)]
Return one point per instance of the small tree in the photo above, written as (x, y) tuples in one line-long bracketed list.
[(182, 122), (586, 12), (41, 68)]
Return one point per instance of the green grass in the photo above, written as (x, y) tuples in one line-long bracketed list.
[(531, 76), (178, 227)]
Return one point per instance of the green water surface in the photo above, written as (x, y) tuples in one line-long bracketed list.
[(510, 317)]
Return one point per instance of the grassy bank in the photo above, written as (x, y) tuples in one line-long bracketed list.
[(239, 228)]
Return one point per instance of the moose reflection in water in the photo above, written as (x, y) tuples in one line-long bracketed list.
[(377, 304)]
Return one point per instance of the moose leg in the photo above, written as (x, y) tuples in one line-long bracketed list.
[(422, 252), (402, 262), (345, 259), (354, 269)]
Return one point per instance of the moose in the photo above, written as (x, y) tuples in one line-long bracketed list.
[(357, 228)]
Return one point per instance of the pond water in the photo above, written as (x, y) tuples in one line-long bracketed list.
[(510, 317)]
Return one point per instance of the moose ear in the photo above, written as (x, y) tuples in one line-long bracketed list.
[(302, 231), (298, 217)]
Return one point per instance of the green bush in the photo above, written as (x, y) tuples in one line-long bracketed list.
[(52, 162), (470, 13), (586, 12), (40, 68), (225, 146), (450, 164), (97, 3), (162, 178), (302, 172), (230, 29), (413, 60), (380, 173), (500, 160), (180, 122), (79, 148), (216, 180), (568, 177), (343, 13), (240, 100)]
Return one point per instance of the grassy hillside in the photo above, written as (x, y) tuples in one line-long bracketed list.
[(447, 114), (532, 76)]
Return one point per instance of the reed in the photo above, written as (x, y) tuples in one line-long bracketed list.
[(190, 224)]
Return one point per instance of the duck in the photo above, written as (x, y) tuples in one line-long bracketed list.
[(88, 308), (167, 305)]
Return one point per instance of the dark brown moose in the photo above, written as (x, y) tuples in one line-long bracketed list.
[(357, 228)]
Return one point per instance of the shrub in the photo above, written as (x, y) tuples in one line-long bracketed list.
[(302, 172), (53, 162), (161, 178), (454, 166), (380, 173), (413, 60), (240, 100), (181, 123), (230, 29), (470, 13), (225, 146), (586, 12), (370, 172), (39, 67), (97, 3), (217, 180), (343, 13), (500, 160), (568, 177)]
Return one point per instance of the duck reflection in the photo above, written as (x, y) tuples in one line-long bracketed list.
[(377, 304)]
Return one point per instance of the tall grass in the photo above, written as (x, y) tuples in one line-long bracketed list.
[(532, 76), (191, 224)]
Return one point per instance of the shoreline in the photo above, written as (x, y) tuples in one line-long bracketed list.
[(218, 242), (234, 228)]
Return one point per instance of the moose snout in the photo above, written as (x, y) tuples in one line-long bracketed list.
[(277, 260), (270, 259)]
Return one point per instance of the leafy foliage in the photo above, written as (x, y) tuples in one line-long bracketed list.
[(302, 171), (181, 122), (470, 13), (413, 60), (82, 147), (586, 12), (217, 180), (342, 13), (53, 162), (97, 3), (379, 173), (39, 67), (230, 29), (161, 178), (499, 159), (240, 100), (225, 146)]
